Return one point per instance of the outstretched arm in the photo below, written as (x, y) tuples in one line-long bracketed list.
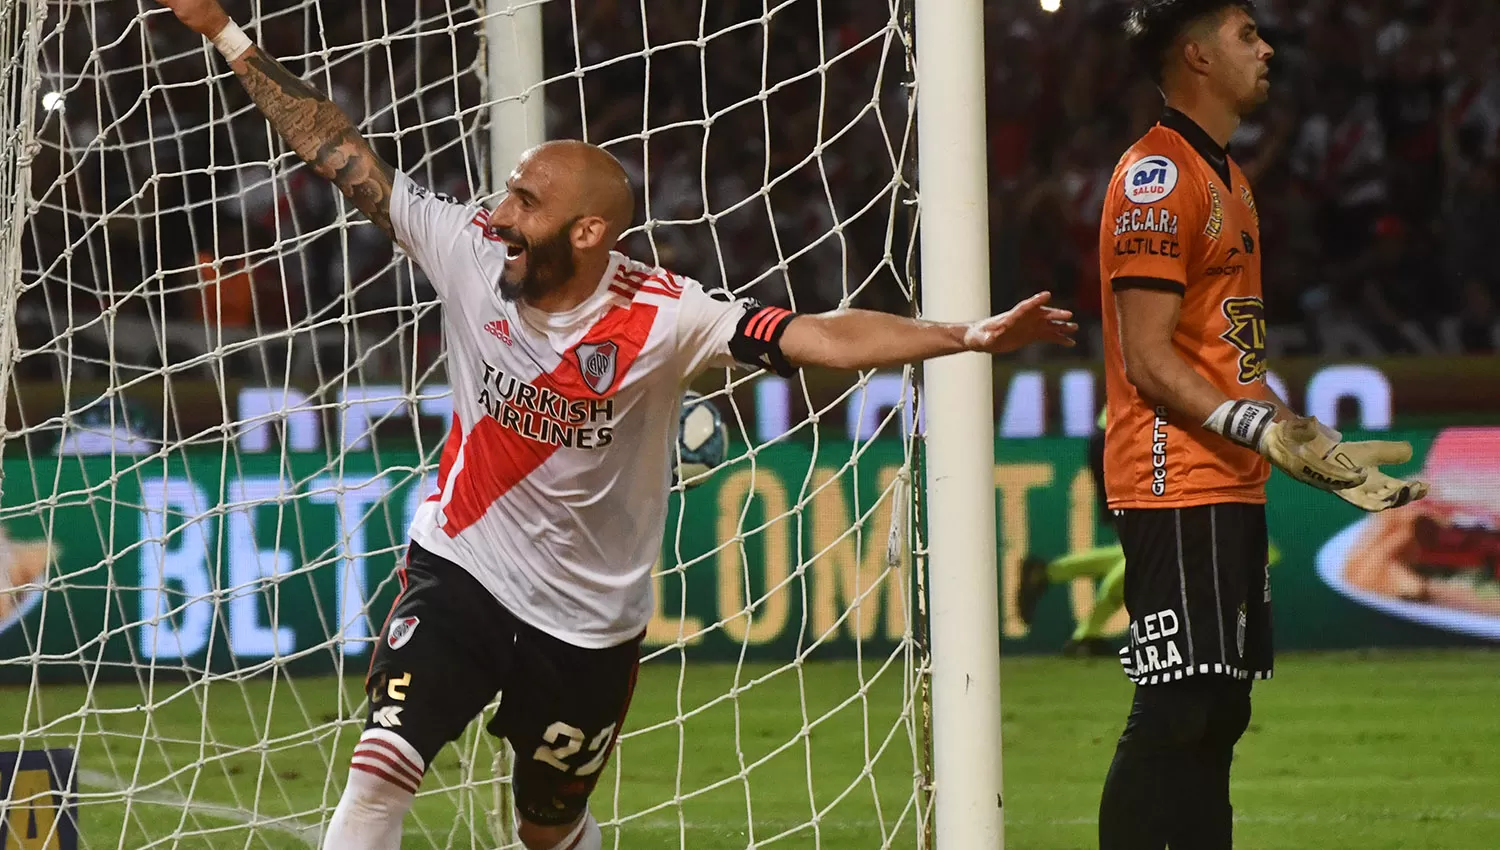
[(320, 133), (864, 339)]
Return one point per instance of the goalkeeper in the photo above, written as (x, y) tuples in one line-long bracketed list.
[(1104, 564), (1194, 429), (529, 571)]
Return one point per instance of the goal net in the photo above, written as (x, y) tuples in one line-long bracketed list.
[(224, 392)]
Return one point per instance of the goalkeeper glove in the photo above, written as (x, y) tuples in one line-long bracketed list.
[(1379, 490), (1293, 445)]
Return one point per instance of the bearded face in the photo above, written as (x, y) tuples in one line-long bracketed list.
[(536, 266)]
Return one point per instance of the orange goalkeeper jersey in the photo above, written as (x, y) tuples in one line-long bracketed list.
[(1179, 216)]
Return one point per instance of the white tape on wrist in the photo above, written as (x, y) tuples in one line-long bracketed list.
[(1242, 421), (232, 41)]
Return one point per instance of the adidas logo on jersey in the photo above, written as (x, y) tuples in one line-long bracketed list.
[(500, 329)]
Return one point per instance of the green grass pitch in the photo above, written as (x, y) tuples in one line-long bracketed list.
[(1374, 751)]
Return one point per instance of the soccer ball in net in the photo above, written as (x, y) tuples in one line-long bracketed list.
[(702, 440)]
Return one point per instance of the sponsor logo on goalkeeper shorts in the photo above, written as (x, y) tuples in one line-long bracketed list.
[(1152, 647), (1239, 631), (401, 632), (1247, 332), (1159, 453)]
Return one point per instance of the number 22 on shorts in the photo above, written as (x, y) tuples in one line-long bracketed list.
[(573, 742)]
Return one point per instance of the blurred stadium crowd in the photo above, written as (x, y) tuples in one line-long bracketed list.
[(164, 209), (1374, 167)]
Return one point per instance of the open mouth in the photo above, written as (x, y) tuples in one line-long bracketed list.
[(513, 250)]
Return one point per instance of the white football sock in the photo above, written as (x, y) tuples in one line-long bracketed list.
[(586, 836), (383, 779)]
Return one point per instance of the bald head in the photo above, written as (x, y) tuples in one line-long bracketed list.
[(564, 210), (588, 180)]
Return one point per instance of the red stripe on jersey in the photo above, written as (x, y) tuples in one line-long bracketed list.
[(497, 458), (662, 278), (386, 774), (481, 220), (622, 291), (451, 446)]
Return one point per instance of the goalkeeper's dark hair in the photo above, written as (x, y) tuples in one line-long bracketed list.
[(1153, 26)]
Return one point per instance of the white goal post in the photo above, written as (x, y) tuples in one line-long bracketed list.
[(225, 395), (960, 438)]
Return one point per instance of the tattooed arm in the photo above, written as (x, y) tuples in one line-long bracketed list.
[(320, 133)]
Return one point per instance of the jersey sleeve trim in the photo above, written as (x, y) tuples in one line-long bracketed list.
[(1154, 283)]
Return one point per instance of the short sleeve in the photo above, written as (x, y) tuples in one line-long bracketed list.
[(706, 325), (432, 229), (719, 330), (1152, 212)]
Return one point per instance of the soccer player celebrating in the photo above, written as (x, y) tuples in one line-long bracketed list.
[(1192, 427), (528, 572)]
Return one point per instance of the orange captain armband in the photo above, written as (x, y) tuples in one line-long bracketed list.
[(757, 338)]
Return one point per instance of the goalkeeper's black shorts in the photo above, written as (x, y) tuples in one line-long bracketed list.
[(1198, 592), (449, 646)]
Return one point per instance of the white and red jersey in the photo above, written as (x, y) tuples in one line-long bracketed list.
[(553, 483)]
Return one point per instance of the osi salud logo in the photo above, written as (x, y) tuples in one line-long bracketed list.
[(1150, 180)]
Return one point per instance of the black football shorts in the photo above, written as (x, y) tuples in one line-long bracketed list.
[(1198, 592), (449, 646)]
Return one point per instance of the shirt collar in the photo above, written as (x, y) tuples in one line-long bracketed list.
[(1215, 155), (571, 319)]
